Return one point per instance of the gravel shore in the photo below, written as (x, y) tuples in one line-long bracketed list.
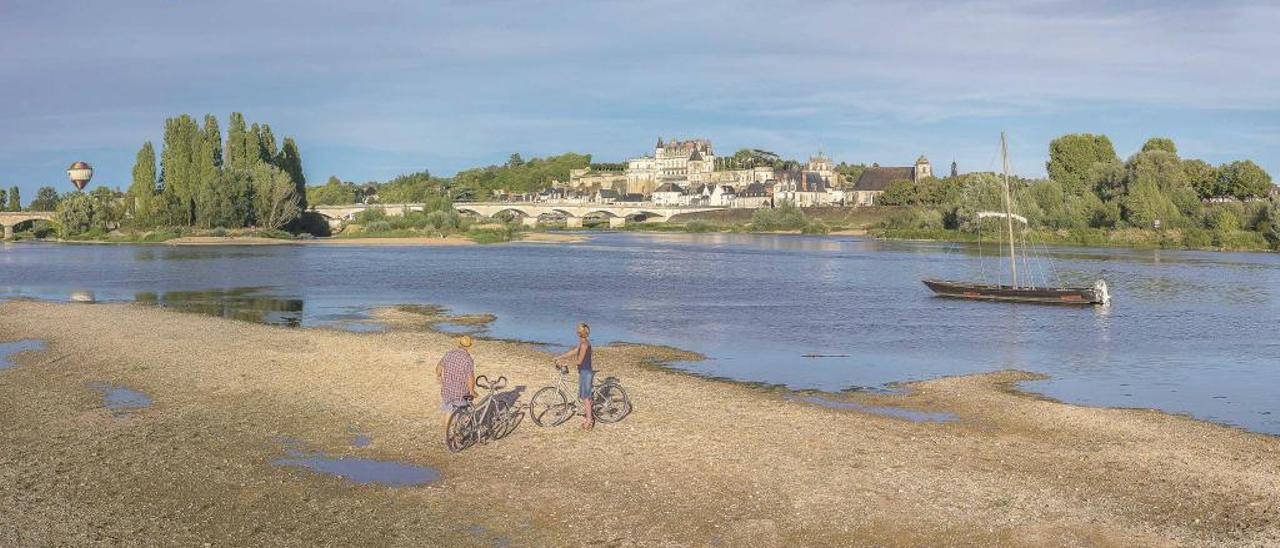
[(698, 462)]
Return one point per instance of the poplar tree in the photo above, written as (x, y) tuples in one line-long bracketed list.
[(290, 162), (213, 137), (142, 190), (204, 193), (182, 166), (267, 144), (15, 199), (238, 152)]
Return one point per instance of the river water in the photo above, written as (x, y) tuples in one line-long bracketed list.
[(1188, 332)]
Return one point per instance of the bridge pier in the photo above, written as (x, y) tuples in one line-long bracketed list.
[(617, 222), (573, 222), (8, 232), (529, 221)]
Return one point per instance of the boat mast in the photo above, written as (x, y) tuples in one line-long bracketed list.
[(1008, 210)]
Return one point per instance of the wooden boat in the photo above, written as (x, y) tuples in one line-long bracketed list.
[(1015, 292), (1047, 295)]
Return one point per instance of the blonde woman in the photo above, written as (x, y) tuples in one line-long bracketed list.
[(581, 356)]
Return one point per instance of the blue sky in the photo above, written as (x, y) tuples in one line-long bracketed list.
[(374, 89)]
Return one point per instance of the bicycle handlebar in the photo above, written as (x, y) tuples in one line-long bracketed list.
[(483, 381)]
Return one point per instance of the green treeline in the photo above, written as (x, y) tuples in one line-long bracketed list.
[(1154, 197), (516, 175), (200, 180)]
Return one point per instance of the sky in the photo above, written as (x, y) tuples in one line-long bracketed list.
[(374, 89)]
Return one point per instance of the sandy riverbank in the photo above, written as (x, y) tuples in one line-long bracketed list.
[(698, 462)]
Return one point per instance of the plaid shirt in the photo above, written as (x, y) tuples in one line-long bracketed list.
[(456, 371)]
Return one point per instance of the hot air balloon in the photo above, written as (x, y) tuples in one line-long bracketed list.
[(80, 173)]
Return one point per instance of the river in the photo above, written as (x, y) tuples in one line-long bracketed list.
[(1188, 332)]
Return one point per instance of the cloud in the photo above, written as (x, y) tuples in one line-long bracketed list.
[(457, 83)]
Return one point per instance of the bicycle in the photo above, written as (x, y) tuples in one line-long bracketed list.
[(489, 419), (552, 405)]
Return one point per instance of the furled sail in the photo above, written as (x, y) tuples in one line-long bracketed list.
[(1002, 215)]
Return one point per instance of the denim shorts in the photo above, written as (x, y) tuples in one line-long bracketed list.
[(585, 376)]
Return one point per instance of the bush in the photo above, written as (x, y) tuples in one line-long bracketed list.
[(700, 226), (914, 219), (491, 234), (1197, 238), (816, 227), (784, 217), (378, 226), (371, 215)]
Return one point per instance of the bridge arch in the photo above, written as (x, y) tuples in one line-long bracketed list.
[(12, 220)]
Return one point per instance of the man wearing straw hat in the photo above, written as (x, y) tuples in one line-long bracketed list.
[(456, 373)]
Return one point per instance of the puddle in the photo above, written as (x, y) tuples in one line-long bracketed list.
[(10, 348), (361, 441), (120, 399), (494, 539), (363, 471), (895, 412)]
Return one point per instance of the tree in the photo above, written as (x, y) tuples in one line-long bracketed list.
[(1202, 177), (333, 192), (241, 152), (207, 151), (275, 201), (4, 200), (184, 162), (213, 137), (1073, 157), (46, 200), (267, 149), (229, 203), (15, 199), (108, 207), (1156, 188), (1243, 180), (76, 214), (142, 191), (899, 192), (290, 161), (515, 160), (1160, 143)]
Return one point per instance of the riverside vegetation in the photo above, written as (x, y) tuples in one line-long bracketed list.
[(247, 186), (1092, 198)]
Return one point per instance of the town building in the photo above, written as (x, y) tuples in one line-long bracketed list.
[(755, 195), (875, 180), (669, 194), (673, 161)]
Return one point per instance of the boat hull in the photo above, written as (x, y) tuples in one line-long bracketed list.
[(1043, 295)]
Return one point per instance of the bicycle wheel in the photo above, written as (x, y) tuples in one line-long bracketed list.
[(460, 433), (504, 419), (549, 407), (610, 403)]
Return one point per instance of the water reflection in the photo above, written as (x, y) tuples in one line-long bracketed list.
[(8, 349), (245, 303), (120, 400), (363, 471)]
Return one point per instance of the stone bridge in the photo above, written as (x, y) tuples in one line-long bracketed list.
[(529, 212), (11, 219)]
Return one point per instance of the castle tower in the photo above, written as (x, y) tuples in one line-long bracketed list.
[(923, 169)]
